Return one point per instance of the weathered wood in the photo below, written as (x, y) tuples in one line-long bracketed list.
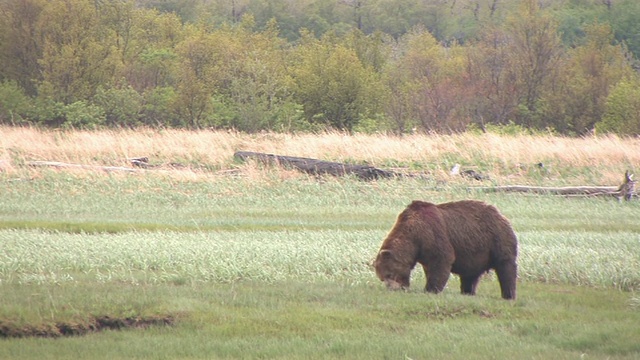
[(569, 190), (141, 162), (628, 188), (318, 167), (79, 166), (625, 191)]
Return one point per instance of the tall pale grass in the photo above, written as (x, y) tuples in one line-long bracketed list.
[(602, 159)]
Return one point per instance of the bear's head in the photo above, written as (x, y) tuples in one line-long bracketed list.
[(392, 271)]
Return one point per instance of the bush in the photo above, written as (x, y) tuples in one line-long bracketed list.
[(47, 111), (122, 107), (81, 115), (622, 109), (288, 116), (14, 104), (510, 128), (158, 108)]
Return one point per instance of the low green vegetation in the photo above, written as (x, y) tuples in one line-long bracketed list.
[(279, 267), (324, 320)]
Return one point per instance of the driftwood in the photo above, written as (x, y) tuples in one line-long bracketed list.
[(469, 173), (79, 166), (141, 162), (318, 167), (625, 191), (138, 164)]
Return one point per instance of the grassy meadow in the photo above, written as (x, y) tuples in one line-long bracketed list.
[(244, 260)]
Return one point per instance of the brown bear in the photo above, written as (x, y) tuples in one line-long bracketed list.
[(467, 238)]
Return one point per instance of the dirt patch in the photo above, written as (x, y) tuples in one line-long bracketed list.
[(442, 314), (54, 330)]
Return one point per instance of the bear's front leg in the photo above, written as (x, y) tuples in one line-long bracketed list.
[(437, 276)]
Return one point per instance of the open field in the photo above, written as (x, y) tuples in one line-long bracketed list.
[(268, 263)]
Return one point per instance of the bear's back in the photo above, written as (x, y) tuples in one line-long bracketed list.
[(470, 225)]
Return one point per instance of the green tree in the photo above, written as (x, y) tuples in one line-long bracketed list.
[(622, 109), (255, 90), (577, 100), (20, 45), (398, 104), (429, 78), (373, 50), (197, 77), (140, 42), (395, 17), (187, 10), (76, 51), (572, 18), (332, 84), (120, 18), (536, 50), (154, 67), (234, 77), (623, 17), (288, 14), (146, 45), (492, 79)]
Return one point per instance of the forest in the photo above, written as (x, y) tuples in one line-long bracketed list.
[(568, 67)]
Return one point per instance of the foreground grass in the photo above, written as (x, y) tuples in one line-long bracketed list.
[(334, 320)]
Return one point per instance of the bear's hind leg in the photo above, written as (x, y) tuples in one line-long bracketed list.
[(507, 273), (468, 284)]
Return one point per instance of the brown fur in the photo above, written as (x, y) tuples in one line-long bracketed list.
[(467, 238)]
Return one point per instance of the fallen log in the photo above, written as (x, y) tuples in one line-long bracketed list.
[(568, 190), (625, 191), (79, 166), (318, 167)]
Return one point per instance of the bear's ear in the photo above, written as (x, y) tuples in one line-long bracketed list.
[(385, 254)]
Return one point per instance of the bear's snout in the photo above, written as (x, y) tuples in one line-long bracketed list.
[(393, 285)]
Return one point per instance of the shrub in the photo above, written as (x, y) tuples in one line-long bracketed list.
[(47, 111), (158, 108), (14, 104), (83, 116), (622, 109), (122, 107)]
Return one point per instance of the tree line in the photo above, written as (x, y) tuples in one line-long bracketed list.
[(354, 65)]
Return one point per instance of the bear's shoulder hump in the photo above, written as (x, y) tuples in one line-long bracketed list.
[(417, 205)]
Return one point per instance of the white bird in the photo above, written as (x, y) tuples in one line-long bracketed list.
[(455, 170)]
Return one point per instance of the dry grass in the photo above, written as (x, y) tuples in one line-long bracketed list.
[(509, 159)]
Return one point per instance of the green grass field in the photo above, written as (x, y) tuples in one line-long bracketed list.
[(279, 267)]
